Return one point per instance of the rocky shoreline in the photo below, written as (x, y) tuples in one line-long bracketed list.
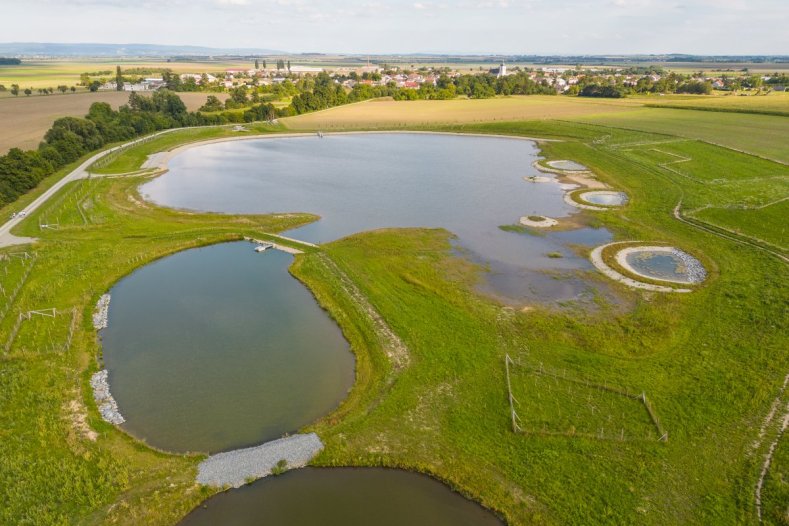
[(101, 393), (100, 316)]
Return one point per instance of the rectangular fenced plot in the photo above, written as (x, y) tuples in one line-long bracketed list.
[(555, 403), (14, 271), (48, 330)]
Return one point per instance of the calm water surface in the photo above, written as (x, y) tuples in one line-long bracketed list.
[(605, 198), (568, 165), (218, 348), (660, 265), (468, 185), (342, 497)]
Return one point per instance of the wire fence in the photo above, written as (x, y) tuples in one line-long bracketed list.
[(554, 403)]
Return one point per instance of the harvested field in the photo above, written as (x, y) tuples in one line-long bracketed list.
[(26, 119)]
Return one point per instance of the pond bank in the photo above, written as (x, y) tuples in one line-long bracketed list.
[(597, 260)]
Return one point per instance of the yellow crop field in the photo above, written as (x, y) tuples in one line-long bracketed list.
[(772, 102), (387, 113)]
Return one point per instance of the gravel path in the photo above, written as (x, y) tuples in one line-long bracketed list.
[(236, 468)]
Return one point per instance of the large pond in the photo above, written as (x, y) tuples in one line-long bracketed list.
[(342, 497), (469, 185), (218, 348)]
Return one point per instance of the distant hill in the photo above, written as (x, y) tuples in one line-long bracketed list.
[(117, 50)]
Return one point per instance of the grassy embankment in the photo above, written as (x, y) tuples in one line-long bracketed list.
[(710, 362), (132, 158), (53, 470), (710, 373)]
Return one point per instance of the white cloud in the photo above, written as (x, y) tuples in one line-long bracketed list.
[(406, 26)]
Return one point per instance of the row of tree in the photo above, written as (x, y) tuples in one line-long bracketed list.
[(70, 138), (15, 90)]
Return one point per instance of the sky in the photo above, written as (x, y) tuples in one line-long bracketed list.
[(404, 26)]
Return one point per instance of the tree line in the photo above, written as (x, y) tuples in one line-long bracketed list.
[(70, 138)]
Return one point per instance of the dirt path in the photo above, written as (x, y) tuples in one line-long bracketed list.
[(395, 349), (80, 172)]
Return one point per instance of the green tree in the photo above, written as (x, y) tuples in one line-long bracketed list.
[(3, 88), (212, 103), (28, 91), (257, 64), (288, 65), (15, 89), (62, 88), (73, 89), (94, 86), (264, 63), (118, 78)]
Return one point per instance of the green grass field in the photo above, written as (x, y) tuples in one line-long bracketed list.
[(763, 135), (711, 362)]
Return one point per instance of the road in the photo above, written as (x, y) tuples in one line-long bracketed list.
[(8, 239)]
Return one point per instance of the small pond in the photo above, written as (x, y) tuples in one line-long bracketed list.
[(663, 263), (357, 182), (342, 497), (218, 348), (569, 166), (605, 198)]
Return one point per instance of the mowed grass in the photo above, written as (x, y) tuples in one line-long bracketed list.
[(385, 113), (768, 223), (25, 120), (763, 135)]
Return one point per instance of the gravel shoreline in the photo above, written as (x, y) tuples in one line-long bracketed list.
[(101, 314), (597, 260), (239, 467), (101, 393), (694, 270)]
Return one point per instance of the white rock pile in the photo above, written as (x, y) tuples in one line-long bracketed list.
[(238, 467), (101, 313), (101, 393)]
